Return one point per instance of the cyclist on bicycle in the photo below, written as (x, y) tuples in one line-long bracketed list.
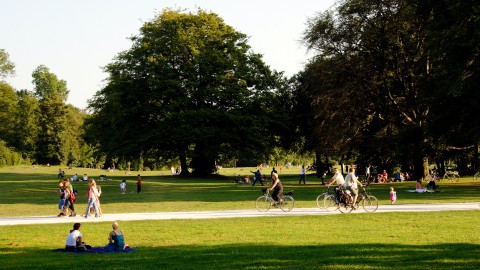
[(277, 188), (351, 183), (338, 179)]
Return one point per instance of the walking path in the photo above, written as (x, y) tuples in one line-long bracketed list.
[(232, 214)]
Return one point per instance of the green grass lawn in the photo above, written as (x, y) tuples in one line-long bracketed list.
[(432, 240)]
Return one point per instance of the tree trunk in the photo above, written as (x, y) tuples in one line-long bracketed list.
[(425, 166), (475, 165), (203, 164), (183, 165), (421, 168)]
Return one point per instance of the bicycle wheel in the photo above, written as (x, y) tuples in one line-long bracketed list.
[(370, 204), (455, 178), (330, 204), (263, 203), (320, 200), (288, 203), (345, 207)]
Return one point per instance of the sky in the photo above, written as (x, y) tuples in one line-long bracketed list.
[(76, 38)]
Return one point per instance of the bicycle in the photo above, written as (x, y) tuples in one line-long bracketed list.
[(476, 176), (369, 202), (321, 198), (451, 176), (339, 201), (265, 202), (345, 203)]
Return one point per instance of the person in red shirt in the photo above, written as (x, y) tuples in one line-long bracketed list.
[(383, 177), (139, 184)]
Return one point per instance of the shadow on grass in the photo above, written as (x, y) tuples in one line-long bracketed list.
[(242, 256)]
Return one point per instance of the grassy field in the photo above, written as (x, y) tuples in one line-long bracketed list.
[(432, 240)]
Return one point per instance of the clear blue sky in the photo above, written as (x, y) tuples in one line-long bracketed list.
[(75, 38)]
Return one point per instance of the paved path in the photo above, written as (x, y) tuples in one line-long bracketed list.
[(231, 214)]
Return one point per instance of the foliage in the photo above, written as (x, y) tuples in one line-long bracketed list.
[(189, 87), (8, 107), (375, 84), (26, 125), (47, 85), (7, 67), (8, 157)]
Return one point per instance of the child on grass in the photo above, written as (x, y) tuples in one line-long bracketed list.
[(393, 195), (123, 186)]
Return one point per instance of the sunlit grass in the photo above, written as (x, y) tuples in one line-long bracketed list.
[(25, 191), (433, 240), (428, 240)]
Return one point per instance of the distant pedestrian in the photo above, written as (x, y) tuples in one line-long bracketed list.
[(302, 175), (123, 186), (257, 177), (273, 171), (393, 196), (139, 184), (367, 174)]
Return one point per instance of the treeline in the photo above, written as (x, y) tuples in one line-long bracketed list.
[(393, 83)]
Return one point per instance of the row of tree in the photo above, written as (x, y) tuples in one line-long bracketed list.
[(393, 83), (37, 126)]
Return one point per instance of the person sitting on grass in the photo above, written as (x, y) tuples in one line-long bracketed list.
[(116, 241), (432, 185), (418, 187), (74, 240)]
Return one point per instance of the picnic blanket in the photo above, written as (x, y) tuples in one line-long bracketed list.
[(96, 250), (421, 190)]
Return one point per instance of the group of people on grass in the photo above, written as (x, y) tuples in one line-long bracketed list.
[(123, 185), (75, 243), (68, 198)]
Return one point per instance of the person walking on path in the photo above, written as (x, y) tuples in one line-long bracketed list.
[(92, 198), (139, 184), (302, 175)]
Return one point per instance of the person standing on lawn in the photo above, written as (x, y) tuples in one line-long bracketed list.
[(139, 184)]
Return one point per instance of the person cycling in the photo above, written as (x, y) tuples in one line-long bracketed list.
[(277, 188), (351, 183), (339, 180)]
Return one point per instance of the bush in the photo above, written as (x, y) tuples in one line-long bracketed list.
[(8, 157)]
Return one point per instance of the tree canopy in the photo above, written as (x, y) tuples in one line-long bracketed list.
[(189, 87), (382, 87)]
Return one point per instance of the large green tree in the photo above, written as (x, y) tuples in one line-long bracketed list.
[(26, 124), (190, 87), (380, 81), (394, 81), (52, 94), (8, 99), (455, 43)]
